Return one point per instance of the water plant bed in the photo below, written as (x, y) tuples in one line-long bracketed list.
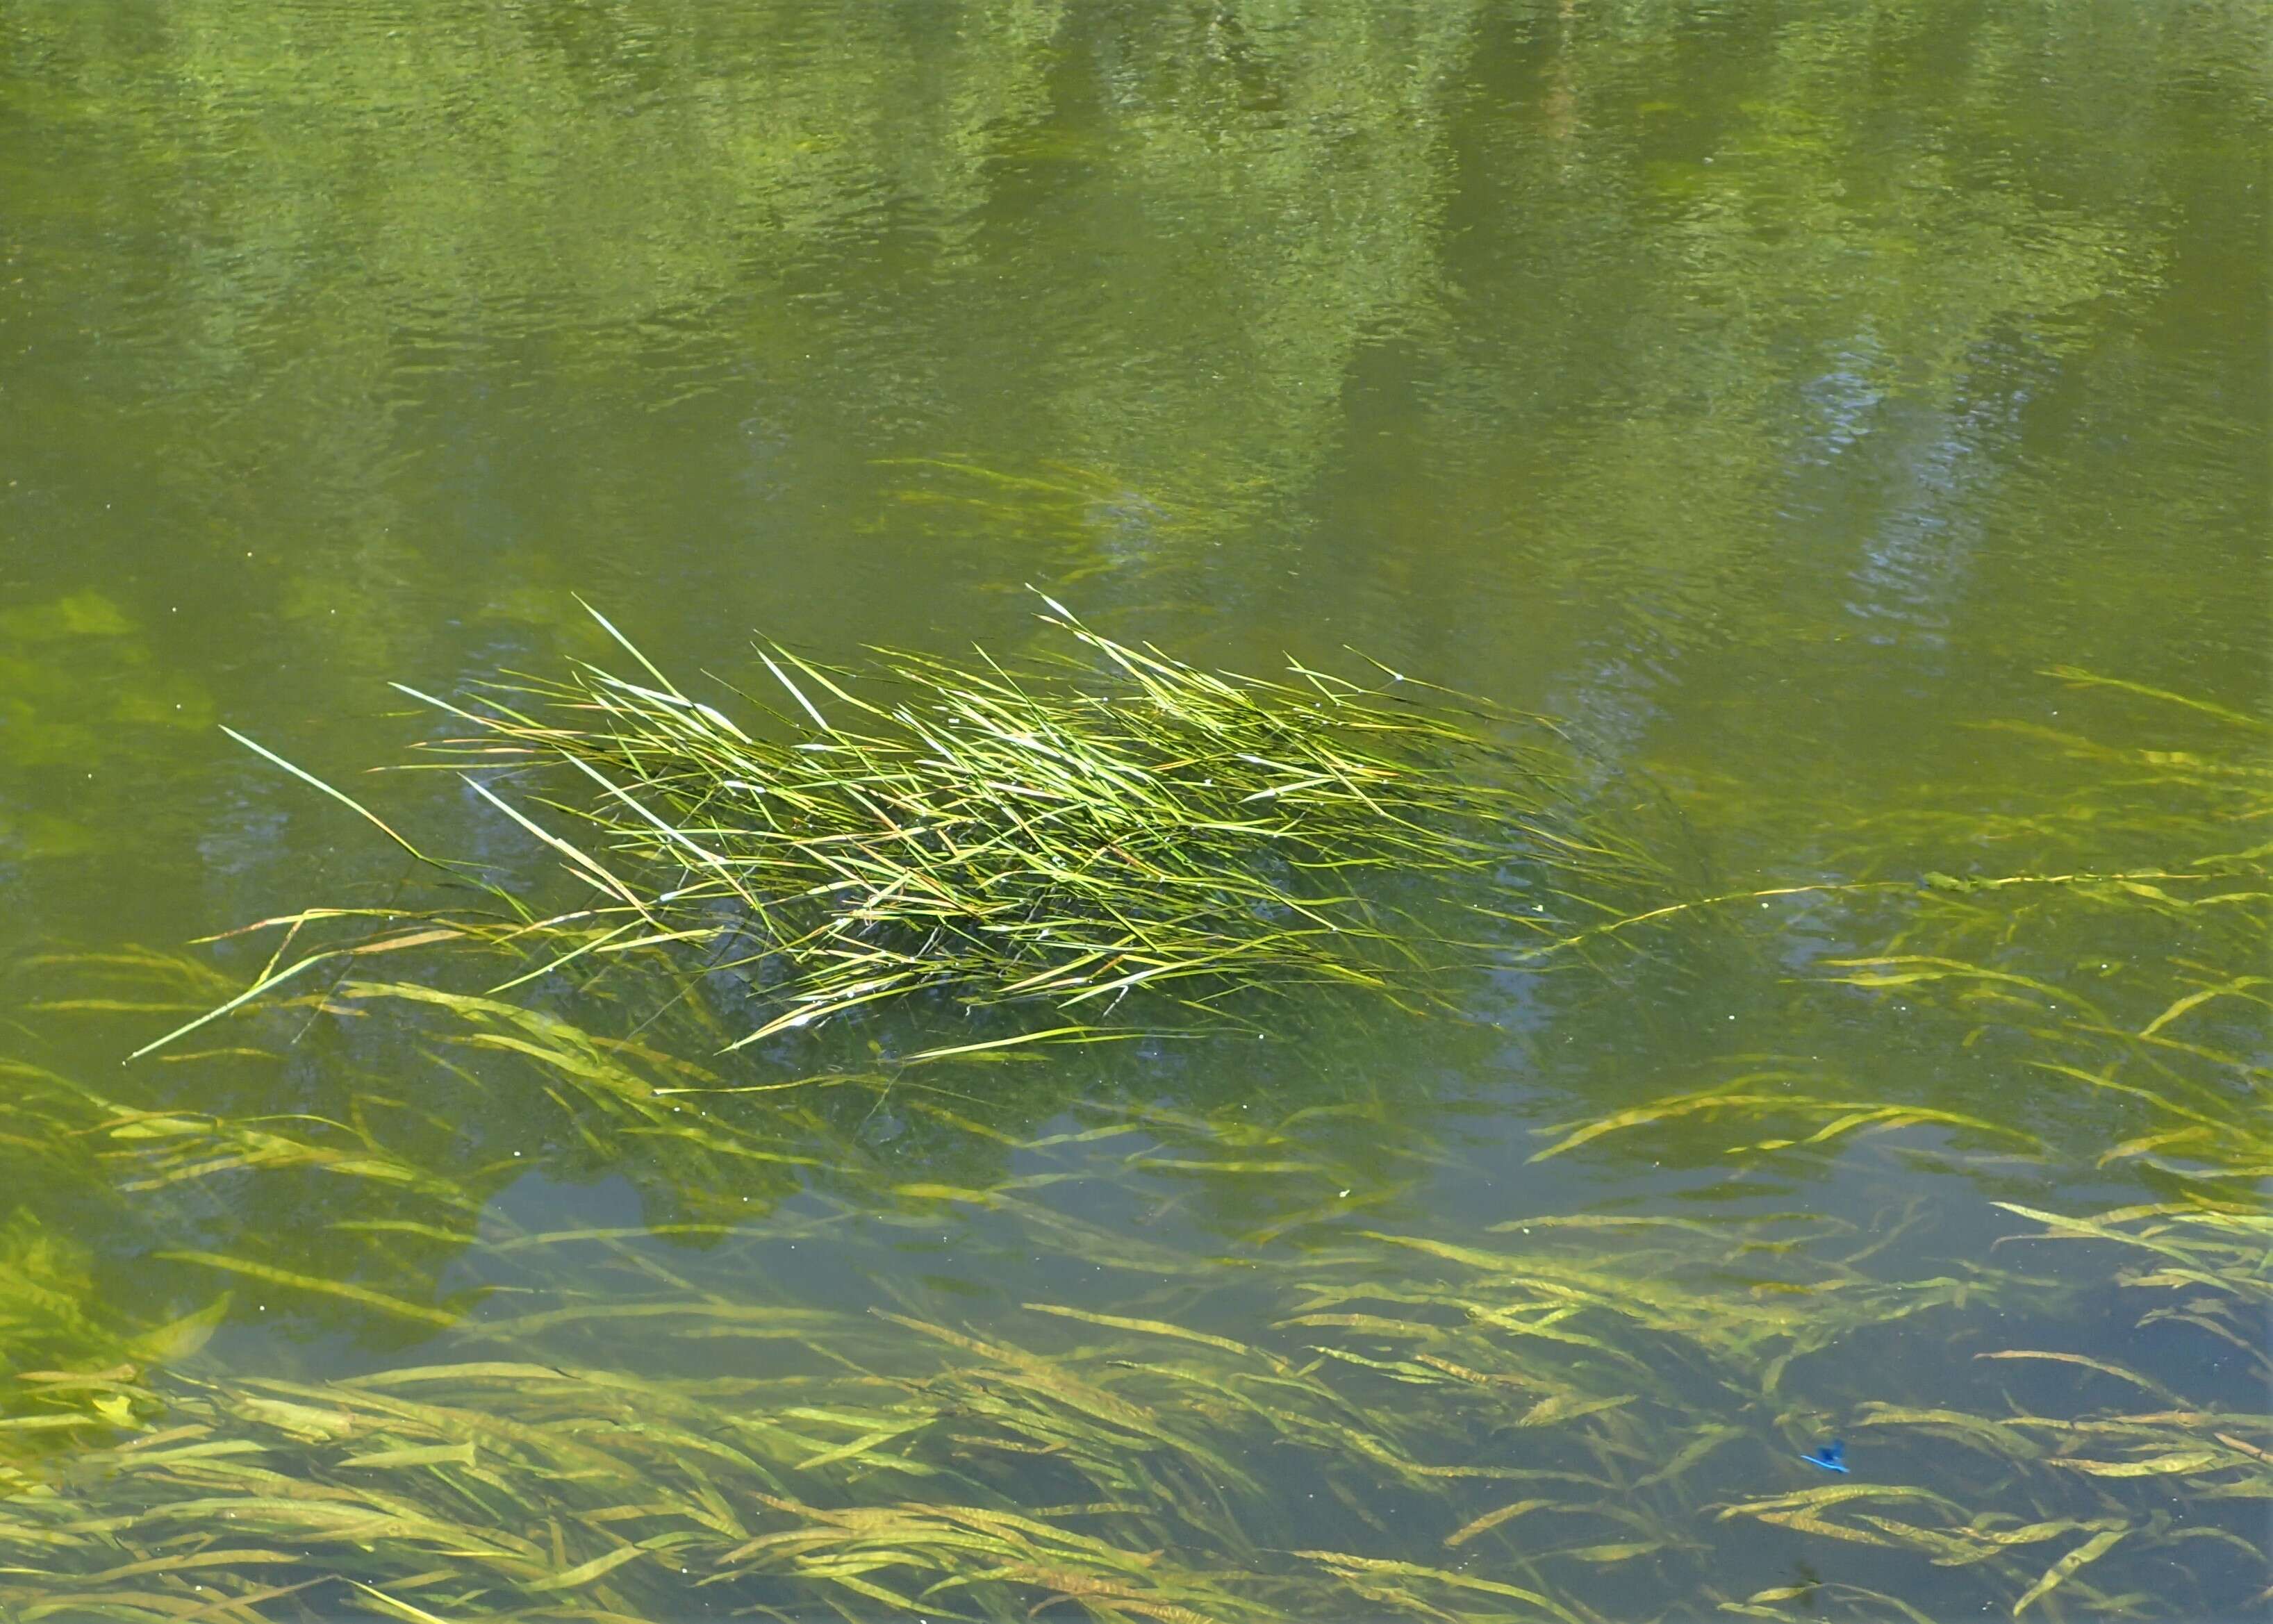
[(1577, 1416), (1092, 1352)]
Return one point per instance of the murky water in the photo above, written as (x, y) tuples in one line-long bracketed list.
[(1797, 401)]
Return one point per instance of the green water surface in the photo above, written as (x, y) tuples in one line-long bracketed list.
[(1783, 395)]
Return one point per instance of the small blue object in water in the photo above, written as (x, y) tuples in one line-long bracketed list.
[(1832, 1456)]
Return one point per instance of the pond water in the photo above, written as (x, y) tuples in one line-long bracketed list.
[(1849, 422)]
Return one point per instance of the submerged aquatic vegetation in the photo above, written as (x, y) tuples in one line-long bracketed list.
[(1063, 834), (1324, 1399), (2161, 1031), (1553, 1415), (1564, 1417)]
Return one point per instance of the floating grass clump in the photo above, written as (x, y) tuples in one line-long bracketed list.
[(1064, 834)]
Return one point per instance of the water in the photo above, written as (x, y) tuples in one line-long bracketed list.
[(1775, 393)]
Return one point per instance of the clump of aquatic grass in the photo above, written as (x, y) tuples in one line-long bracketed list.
[(1062, 834)]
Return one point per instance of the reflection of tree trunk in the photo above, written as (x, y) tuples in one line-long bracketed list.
[(1560, 106), (1909, 583)]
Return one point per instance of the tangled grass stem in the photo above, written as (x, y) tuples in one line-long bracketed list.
[(1064, 834)]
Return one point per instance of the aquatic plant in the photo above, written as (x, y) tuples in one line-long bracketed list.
[(1062, 834), (1563, 1415), (1570, 1415), (1344, 1403)]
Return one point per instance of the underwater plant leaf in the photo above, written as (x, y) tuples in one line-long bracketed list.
[(348, 1290), (1490, 1520), (2091, 1550)]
